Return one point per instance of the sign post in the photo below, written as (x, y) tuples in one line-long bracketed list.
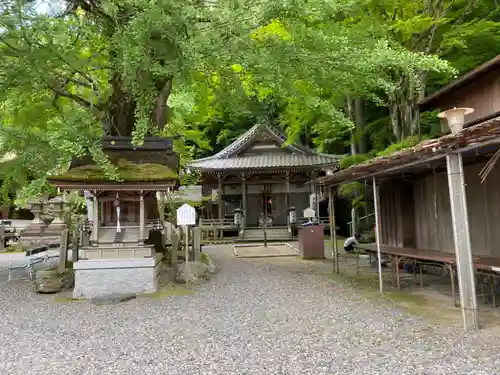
[(186, 216)]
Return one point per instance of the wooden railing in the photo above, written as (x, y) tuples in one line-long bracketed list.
[(217, 223)]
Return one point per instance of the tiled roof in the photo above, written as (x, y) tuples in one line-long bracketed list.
[(297, 155), (266, 161)]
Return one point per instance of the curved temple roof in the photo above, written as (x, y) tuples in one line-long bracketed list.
[(262, 157)]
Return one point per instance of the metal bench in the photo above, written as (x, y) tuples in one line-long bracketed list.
[(28, 265)]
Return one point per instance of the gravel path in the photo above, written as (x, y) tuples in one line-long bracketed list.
[(254, 317)]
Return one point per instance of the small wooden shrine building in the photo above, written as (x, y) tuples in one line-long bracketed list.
[(118, 258), (263, 177)]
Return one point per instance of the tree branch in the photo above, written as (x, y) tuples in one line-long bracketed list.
[(83, 102)]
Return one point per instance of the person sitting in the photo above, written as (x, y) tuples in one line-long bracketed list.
[(351, 243)]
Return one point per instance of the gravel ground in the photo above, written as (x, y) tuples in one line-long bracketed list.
[(254, 317)]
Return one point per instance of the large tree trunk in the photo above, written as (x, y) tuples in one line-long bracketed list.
[(350, 112), (395, 118), (360, 121), (120, 119)]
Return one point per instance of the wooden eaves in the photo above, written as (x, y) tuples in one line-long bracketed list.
[(476, 136)]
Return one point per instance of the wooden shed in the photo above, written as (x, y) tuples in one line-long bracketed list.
[(443, 195)]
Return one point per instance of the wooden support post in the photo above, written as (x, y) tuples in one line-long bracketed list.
[(196, 243), (101, 210), (142, 218), (161, 206), (244, 201), (333, 230), (63, 250), (221, 201), (460, 219), (376, 201), (287, 191), (2, 237), (95, 214), (186, 243), (317, 191), (175, 245)]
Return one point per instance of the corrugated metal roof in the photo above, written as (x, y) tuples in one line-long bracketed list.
[(421, 154), (267, 161)]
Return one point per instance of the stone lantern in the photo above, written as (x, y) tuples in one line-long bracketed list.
[(456, 118), (237, 217), (57, 206), (36, 228), (292, 215)]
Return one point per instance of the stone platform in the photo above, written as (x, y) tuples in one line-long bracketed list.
[(103, 277)]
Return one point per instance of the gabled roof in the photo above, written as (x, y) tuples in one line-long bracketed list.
[(297, 155), (474, 74)]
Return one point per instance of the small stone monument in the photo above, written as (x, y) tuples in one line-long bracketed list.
[(57, 205), (33, 233)]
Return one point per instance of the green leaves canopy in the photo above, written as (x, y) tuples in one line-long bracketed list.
[(137, 67)]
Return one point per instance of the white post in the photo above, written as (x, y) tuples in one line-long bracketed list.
[(95, 214), (141, 218), (459, 215), (376, 200)]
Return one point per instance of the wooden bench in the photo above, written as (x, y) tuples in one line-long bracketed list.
[(488, 269), (485, 268), (416, 256)]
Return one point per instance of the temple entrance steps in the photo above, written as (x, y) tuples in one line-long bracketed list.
[(127, 234), (273, 234)]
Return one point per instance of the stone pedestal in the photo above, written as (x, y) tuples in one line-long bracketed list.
[(34, 232), (103, 277), (57, 225)]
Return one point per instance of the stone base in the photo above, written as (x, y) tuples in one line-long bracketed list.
[(55, 229), (103, 277), (34, 229), (39, 240)]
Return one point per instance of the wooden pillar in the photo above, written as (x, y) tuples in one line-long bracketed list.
[(463, 253), (333, 229), (317, 192), (161, 206), (376, 201), (287, 191), (244, 200), (2, 237), (101, 209), (142, 218), (95, 214), (221, 201)]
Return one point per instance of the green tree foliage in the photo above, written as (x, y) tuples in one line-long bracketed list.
[(206, 71)]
